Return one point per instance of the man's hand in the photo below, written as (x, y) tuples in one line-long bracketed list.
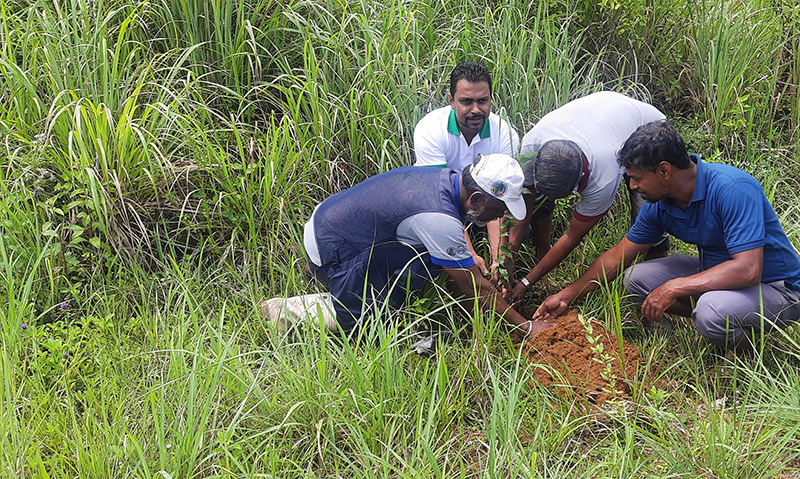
[(517, 293), (538, 326), (554, 306), (469, 282), (481, 264), (495, 272), (497, 278), (657, 302)]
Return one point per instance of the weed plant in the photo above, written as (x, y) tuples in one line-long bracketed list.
[(159, 161)]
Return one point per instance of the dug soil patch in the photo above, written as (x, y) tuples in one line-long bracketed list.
[(568, 364)]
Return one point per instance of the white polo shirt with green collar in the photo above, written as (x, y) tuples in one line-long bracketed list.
[(439, 142)]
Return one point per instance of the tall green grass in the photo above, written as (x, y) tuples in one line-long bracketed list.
[(160, 158)]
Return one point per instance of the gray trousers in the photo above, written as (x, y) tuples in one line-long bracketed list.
[(721, 316)]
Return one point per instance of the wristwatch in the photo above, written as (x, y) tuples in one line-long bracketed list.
[(525, 281)]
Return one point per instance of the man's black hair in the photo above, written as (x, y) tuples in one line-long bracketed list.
[(651, 144), (558, 168), (473, 72)]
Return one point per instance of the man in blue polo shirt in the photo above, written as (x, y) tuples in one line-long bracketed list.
[(392, 233), (747, 276)]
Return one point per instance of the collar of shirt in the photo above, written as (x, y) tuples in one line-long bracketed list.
[(700, 185), (458, 198), (452, 126)]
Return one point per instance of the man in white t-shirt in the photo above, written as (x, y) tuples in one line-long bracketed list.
[(574, 149)]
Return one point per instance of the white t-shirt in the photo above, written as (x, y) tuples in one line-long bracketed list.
[(439, 142), (599, 123)]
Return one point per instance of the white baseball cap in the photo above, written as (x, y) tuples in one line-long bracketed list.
[(501, 176)]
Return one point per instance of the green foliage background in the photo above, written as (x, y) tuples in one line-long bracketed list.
[(160, 158)]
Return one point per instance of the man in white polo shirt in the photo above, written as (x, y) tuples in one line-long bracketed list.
[(453, 136)]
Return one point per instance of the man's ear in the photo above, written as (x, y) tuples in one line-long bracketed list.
[(449, 99), (475, 200), (664, 170)]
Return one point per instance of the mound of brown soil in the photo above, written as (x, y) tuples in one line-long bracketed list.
[(570, 365)]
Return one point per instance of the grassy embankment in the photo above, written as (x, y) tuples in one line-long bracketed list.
[(160, 158)]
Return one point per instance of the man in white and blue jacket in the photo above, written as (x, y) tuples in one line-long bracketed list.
[(393, 233)]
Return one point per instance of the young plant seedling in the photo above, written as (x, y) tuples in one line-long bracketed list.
[(605, 359)]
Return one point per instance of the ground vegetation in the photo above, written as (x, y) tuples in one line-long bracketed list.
[(160, 157)]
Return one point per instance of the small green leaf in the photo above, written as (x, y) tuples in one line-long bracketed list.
[(76, 229)]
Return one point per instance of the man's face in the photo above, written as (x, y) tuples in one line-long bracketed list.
[(647, 183), (486, 212), (471, 103)]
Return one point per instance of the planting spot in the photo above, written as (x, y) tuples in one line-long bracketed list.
[(582, 358)]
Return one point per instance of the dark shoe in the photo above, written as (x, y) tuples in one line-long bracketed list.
[(312, 274)]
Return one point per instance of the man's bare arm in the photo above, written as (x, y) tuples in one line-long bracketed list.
[(741, 271), (472, 284), (475, 256), (572, 237), (605, 268), (513, 240)]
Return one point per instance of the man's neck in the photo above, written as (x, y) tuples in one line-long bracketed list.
[(684, 181), (468, 135)]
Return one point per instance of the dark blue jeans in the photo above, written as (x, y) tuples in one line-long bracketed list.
[(386, 273)]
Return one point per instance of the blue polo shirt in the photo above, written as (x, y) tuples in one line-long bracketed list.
[(729, 213)]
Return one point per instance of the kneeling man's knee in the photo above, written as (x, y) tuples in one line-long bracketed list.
[(713, 321), (636, 284)]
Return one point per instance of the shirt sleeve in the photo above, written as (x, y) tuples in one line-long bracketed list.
[(648, 227), (428, 147), (442, 235), (742, 216), (509, 140), (530, 143), (598, 202)]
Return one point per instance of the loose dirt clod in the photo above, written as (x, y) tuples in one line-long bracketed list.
[(571, 366)]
